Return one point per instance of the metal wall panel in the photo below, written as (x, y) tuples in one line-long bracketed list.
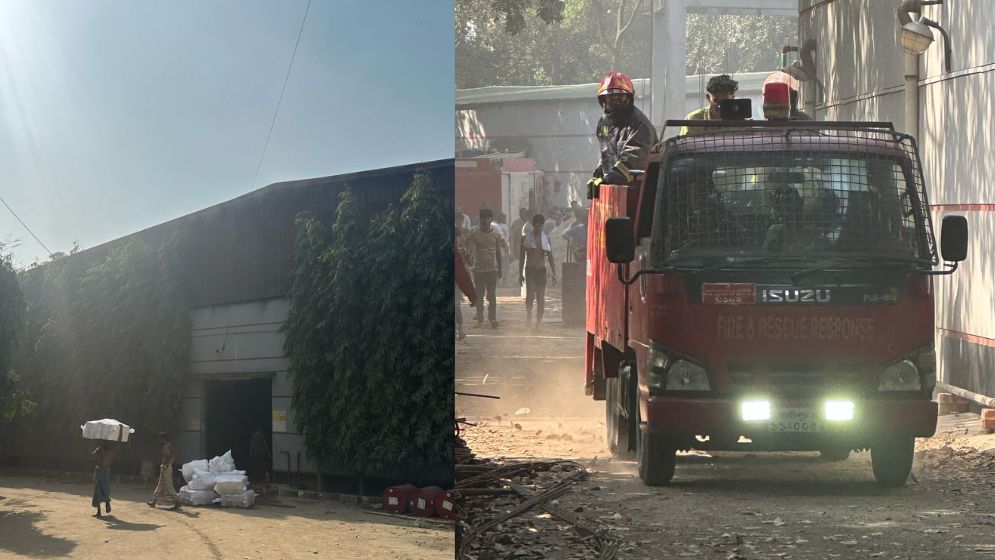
[(860, 62)]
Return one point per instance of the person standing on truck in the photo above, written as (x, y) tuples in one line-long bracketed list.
[(103, 455), (784, 78), (165, 487), (718, 89), (624, 133), (485, 242), (535, 251)]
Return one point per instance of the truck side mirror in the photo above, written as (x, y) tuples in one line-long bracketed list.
[(953, 238), (620, 241)]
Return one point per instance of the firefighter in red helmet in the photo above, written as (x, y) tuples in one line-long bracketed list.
[(624, 133)]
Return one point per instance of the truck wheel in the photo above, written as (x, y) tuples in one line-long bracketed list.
[(891, 460), (834, 453), (657, 457), (618, 426)]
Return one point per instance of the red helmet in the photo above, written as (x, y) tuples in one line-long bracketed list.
[(782, 78), (615, 82)]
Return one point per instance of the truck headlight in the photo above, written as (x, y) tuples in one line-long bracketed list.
[(687, 376), (925, 361), (900, 376), (754, 410), (838, 410), (656, 367)]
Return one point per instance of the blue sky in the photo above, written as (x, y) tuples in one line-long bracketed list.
[(119, 115)]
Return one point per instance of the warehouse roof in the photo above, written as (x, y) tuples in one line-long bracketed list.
[(513, 94)]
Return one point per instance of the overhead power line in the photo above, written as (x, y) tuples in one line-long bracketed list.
[(282, 90), (12, 213)]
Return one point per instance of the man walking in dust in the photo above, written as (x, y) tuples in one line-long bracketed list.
[(165, 490), (104, 455), (535, 251), (486, 244)]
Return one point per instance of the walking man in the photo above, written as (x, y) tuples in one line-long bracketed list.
[(486, 244), (165, 490), (260, 456), (535, 252), (103, 455)]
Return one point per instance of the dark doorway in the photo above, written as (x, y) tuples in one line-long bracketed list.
[(235, 410)]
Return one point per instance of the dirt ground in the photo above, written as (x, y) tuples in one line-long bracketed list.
[(720, 505), (47, 519)]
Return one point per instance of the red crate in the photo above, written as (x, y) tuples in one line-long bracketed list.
[(445, 506), (396, 498), (422, 503)]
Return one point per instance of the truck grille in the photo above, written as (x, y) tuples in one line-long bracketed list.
[(794, 379)]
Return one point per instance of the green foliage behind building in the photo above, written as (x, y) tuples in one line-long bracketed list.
[(370, 336)]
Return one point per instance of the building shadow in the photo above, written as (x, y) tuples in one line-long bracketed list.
[(23, 538)]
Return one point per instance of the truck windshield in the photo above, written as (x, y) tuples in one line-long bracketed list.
[(783, 205)]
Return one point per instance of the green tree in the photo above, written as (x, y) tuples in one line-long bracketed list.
[(13, 398), (411, 305), (369, 335), (514, 12), (105, 337), (729, 44), (510, 42), (326, 340), (591, 38)]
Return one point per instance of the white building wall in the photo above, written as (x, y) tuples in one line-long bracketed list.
[(859, 61), (236, 341)]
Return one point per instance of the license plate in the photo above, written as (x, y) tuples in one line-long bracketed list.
[(795, 420)]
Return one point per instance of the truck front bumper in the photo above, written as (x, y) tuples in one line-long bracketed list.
[(720, 419)]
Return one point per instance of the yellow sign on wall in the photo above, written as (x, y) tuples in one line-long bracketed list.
[(279, 420)]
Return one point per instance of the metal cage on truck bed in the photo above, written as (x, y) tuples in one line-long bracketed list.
[(791, 189)]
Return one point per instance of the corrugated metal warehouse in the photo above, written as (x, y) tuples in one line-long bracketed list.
[(236, 259), (860, 75)]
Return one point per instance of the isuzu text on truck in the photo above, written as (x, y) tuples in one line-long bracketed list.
[(768, 287)]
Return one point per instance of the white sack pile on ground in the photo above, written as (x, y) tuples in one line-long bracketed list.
[(216, 481)]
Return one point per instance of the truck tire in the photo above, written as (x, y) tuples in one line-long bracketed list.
[(834, 453), (657, 458), (618, 429), (891, 460)]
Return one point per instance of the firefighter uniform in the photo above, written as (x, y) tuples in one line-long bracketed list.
[(624, 133)]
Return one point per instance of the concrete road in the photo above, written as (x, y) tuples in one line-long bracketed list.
[(46, 519)]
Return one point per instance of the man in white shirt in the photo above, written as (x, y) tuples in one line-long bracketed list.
[(535, 252)]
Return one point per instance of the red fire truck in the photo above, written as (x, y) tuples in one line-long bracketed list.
[(768, 287)]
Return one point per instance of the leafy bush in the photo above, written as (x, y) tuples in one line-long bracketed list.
[(104, 338), (13, 399), (369, 335)]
